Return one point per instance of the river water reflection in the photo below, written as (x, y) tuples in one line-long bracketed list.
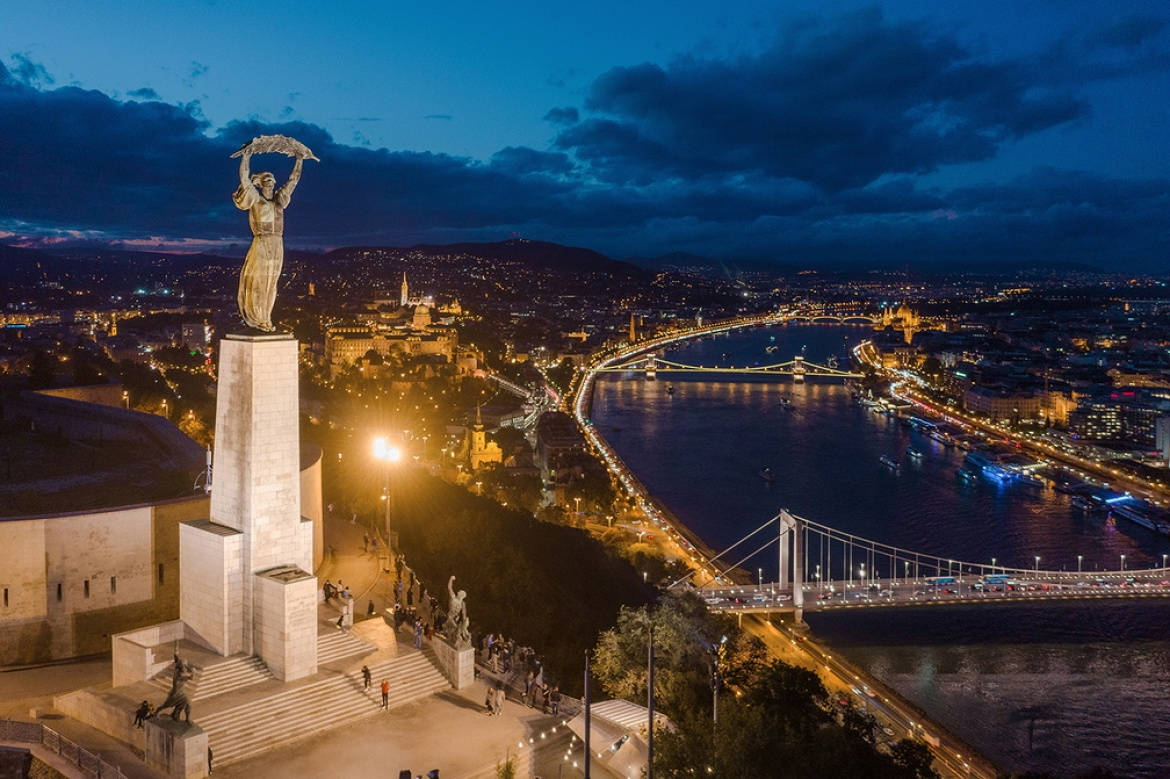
[(1055, 688)]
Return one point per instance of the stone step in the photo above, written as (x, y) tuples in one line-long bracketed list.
[(219, 678), (339, 645), (256, 727)]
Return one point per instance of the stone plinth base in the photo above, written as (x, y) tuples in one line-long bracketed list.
[(458, 664), (285, 622), (177, 749)]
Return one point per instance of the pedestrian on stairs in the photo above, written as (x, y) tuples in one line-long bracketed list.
[(366, 678), (385, 693)]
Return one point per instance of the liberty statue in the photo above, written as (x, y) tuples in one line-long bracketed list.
[(257, 194)]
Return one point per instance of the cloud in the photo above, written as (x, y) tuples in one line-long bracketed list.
[(197, 69), (441, 117), (1132, 31), (837, 103), (144, 93), (564, 115), (521, 161), (28, 72), (807, 152)]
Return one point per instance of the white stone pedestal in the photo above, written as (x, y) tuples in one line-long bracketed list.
[(177, 749), (458, 664), (230, 592)]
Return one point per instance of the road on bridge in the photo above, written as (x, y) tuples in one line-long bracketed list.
[(766, 598)]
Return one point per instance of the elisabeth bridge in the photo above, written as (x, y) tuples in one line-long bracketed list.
[(822, 568), (819, 567)]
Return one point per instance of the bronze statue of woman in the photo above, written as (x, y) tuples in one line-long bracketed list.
[(257, 194)]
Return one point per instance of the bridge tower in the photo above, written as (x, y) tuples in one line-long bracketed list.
[(651, 372), (798, 369), (792, 556)]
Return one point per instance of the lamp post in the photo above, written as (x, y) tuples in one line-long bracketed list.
[(1123, 563), (1080, 558), (1037, 566), (993, 565), (126, 399), (388, 455)]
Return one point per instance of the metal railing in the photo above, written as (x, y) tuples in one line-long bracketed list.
[(90, 763)]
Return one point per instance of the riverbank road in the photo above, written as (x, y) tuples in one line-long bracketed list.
[(896, 719)]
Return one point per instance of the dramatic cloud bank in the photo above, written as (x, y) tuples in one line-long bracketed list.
[(811, 150)]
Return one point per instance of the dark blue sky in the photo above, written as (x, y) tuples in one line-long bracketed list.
[(799, 132)]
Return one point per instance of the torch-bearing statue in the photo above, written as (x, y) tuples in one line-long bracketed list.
[(257, 194)]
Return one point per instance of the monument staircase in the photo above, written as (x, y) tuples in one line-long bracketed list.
[(340, 645), (218, 678), (310, 706)]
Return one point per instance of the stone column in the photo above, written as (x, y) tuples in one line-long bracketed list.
[(256, 476)]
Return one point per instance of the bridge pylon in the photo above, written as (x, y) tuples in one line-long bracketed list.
[(798, 369), (651, 368), (792, 556)]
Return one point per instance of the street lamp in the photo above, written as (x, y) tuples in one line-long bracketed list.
[(1082, 557), (1037, 566), (1164, 561), (389, 455), (1123, 563), (126, 399), (577, 500), (993, 565)]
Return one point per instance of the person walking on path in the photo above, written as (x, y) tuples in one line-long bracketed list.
[(385, 693), (418, 633), (366, 677)]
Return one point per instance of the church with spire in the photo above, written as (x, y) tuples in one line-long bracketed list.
[(406, 301), (480, 451)]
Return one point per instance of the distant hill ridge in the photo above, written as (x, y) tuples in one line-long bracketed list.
[(536, 254)]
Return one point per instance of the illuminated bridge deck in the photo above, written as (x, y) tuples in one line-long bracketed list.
[(900, 593)]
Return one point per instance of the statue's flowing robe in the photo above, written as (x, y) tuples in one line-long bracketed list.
[(261, 270)]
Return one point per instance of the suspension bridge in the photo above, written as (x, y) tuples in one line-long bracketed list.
[(824, 568), (798, 368)]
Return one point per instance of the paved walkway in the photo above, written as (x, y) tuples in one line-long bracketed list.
[(357, 567), (449, 731)]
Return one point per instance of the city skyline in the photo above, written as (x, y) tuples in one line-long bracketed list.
[(852, 135)]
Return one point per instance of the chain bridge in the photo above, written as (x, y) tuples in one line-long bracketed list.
[(823, 568), (798, 368)]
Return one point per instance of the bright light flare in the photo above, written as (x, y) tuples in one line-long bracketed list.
[(384, 451)]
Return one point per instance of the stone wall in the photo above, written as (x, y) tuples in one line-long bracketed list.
[(100, 573), (138, 545)]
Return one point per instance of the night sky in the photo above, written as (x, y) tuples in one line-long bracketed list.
[(810, 133)]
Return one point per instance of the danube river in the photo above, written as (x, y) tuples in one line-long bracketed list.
[(1058, 688)]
